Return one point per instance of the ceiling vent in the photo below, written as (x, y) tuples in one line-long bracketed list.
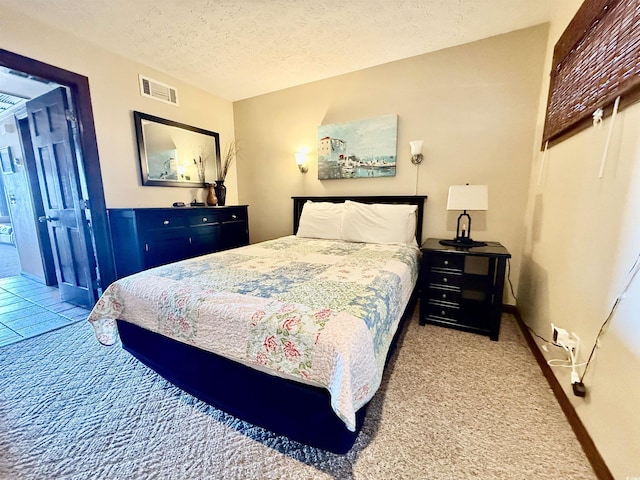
[(158, 90)]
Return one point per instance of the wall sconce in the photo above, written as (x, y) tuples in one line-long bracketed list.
[(466, 197), (301, 161), (416, 152)]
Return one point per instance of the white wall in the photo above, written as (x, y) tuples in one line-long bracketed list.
[(474, 106), (582, 237), (113, 81)]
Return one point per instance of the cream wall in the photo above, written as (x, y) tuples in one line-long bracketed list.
[(474, 106), (113, 81), (581, 240)]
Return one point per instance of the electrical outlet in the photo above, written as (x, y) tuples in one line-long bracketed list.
[(560, 335), (568, 341)]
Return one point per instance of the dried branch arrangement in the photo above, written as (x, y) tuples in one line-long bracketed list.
[(229, 156)]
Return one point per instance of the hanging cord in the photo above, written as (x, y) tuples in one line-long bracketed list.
[(606, 145), (630, 276), (544, 157)]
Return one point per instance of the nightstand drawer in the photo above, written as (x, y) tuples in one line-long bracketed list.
[(450, 262), (446, 279), (444, 295), (443, 311)]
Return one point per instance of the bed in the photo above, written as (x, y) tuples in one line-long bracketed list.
[(291, 334)]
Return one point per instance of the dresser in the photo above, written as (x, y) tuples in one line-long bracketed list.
[(462, 288), (148, 237)]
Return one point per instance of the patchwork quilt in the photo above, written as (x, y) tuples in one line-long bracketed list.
[(323, 312)]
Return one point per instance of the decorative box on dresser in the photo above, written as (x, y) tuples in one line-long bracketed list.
[(462, 287), (148, 237)]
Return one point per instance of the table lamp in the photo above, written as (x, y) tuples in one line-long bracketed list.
[(466, 197)]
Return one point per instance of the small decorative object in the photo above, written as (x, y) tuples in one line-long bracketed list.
[(221, 192), (358, 149), (212, 199), (221, 189)]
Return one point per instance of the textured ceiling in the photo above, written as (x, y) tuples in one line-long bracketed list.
[(243, 48)]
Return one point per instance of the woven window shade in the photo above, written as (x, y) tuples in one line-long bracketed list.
[(596, 59)]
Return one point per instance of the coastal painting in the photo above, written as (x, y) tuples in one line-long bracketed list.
[(359, 149)]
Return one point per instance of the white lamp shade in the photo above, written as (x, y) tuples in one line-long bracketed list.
[(416, 147), (468, 197), (301, 158)]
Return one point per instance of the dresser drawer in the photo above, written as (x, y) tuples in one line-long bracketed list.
[(206, 218), (232, 215), (161, 222)]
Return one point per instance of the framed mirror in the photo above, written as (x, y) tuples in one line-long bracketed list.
[(173, 154)]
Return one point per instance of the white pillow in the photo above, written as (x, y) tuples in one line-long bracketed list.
[(379, 223), (412, 221), (321, 220)]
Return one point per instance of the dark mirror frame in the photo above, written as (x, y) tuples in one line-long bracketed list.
[(139, 119)]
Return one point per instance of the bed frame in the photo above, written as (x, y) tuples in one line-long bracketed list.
[(301, 412)]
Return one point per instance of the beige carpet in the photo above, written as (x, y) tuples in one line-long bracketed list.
[(453, 405)]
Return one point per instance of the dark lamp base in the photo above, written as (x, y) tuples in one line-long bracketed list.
[(462, 242)]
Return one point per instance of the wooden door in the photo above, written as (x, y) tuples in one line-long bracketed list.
[(55, 154)]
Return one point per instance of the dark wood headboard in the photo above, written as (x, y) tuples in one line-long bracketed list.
[(418, 200)]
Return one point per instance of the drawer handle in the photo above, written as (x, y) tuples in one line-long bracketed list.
[(166, 222), (234, 216), (444, 295), (204, 219), (446, 262), (445, 280), (443, 313)]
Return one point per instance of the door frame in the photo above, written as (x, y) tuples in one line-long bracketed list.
[(81, 97)]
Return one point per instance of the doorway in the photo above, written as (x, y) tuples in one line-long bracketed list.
[(90, 197)]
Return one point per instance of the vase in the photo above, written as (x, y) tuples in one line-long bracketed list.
[(221, 192), (212, 198)]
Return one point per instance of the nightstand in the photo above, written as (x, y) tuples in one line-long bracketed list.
[(462, 287)]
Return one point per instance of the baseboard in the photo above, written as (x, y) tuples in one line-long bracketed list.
[(595, 459)]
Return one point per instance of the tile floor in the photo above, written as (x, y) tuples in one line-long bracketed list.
[(28, 308)]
